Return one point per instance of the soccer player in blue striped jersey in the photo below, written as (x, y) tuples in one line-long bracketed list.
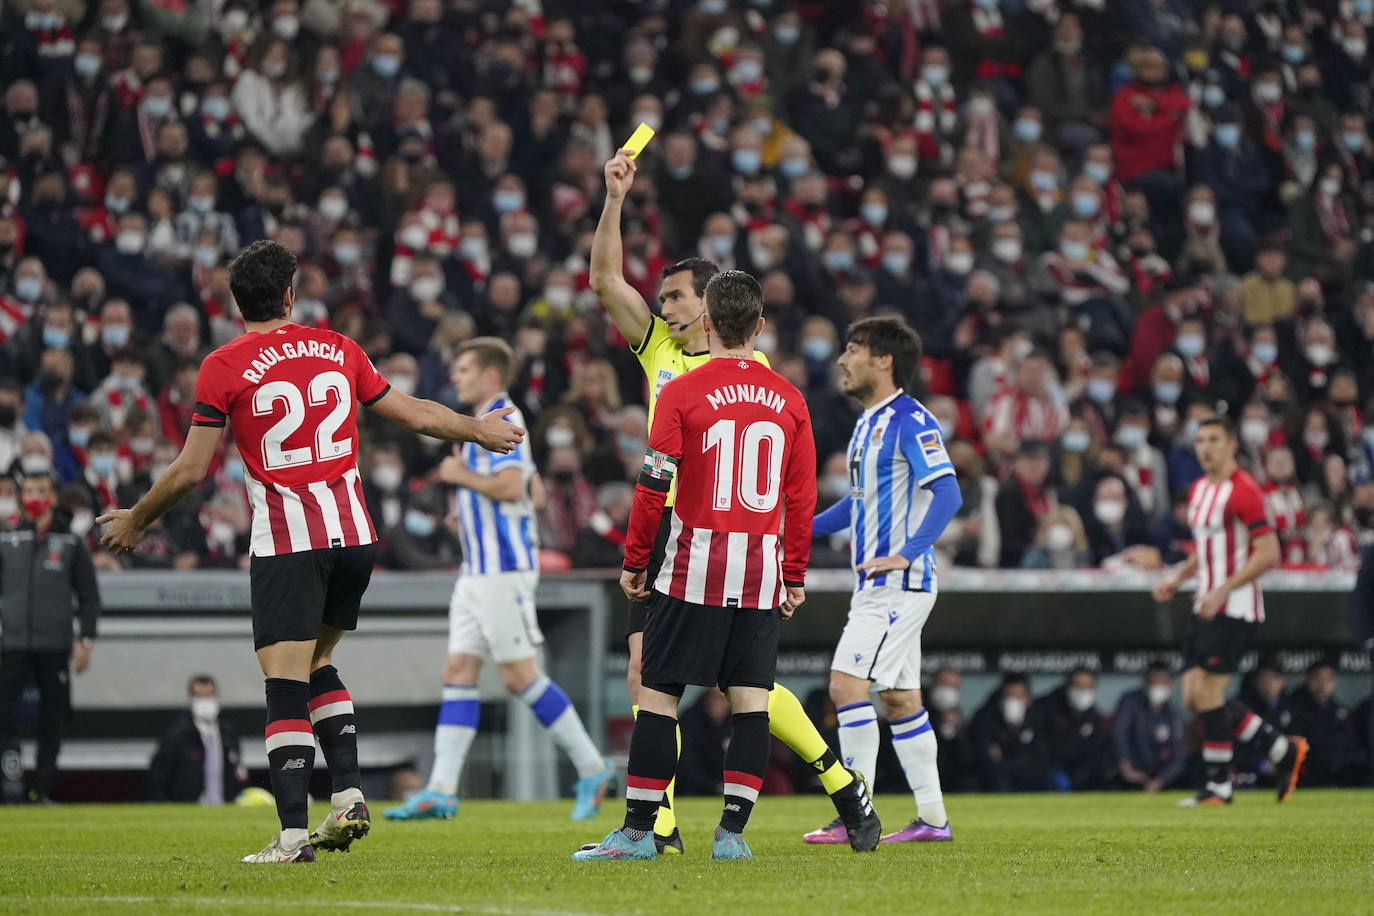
[(492, 614), (902, 495)]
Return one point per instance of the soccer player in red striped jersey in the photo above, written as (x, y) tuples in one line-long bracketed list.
[(1234, 544), (290, 394), (737, 439)]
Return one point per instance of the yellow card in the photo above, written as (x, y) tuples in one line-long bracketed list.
[(639, 139)]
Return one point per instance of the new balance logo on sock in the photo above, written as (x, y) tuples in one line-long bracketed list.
[(732, 807), (349, 730), (296, 763)]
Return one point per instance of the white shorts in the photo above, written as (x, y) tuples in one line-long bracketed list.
[(881, 641), (493, 616)]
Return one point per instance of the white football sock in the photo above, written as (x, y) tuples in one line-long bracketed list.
[(556, 713), (913, 739), (859, 738), (453, 736)]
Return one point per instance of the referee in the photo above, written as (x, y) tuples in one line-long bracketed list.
[(47, 581)]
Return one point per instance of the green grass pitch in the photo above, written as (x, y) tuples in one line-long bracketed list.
[(1019, 854)]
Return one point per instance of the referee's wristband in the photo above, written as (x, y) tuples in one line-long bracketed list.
[(635, 569)]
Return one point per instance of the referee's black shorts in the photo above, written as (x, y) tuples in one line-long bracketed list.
[(294, 594), (1217, 645), (701, 644), (634, 622)]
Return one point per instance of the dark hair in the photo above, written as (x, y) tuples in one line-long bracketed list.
[(889, 337), (1220, 419), (200, 679), (734, 300), (491, 353), (702, 272), (259, 278), (44, 474), (1158, 666), (1081, 670)]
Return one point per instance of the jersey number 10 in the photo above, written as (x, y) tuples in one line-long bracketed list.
[(750, 445), (265, 400)]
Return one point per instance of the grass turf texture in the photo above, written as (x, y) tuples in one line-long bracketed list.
[(1047, 853)]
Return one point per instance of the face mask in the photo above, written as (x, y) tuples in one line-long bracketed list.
[(8, 415), (129, 242), (234, 470), (1228, 136), (473, 248), (415, 237), (766, 342), (1213, 96), (405, 384), (793, 167), (1305, 140), (1109, 511), (328, 77), (56, 338), (681, 172), (641, 75), (1085, 204), (935, 74), (748, 71), (204, 709), (1099, 172), (333, 208), (156, 106), (896, 262), (836, 486), (522, 244), (201, 204), (959, 262), (1318, 354), (81, 523), (1167, 392), (1158, 694), (1353, 141), (786, 33), (347, 253), (426, 289), (103, 464), (1073, 251), (79, 436), (419, 524), (1081, 699), (387, 477), (28, 288), (386, 65), (1027, 130), (1008, 251), (114, 23), (9, 507), (1268, 92), (1202, 212), (837, 260), (761, 257), (1000, 215), (746, 161), (286, 27), (37, 508), (1254, 432), (1059, 538), (141, 445), (274, 70), (704, 86), (508, 201), (1190, 346), (1293, 54), (1265, 352), (559, 297), (560, 437), (1355, 47), (1131, 436), (86, 64), (1076, 441), (817, 349), (762, 126), (1044, 182), (236, 20), (1014, 711), (713, 7), (874, 214)]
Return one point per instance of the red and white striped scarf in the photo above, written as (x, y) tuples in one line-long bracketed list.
[(13, 315), (987, 22), (52, 41), (1334, 221), (935, 119)]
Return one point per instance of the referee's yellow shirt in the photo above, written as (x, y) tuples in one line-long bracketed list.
[(663, 360)]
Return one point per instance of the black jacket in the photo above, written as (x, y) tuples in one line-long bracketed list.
[(44, 583), (177, 773), (1076, 741)]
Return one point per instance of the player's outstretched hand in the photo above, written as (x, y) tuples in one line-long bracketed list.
[(632, 584), (880, 565), (1165, 589), (495, 434), (796, 597), (620, 174), (123, 535)]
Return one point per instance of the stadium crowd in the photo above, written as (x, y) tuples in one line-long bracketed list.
[(1104, 222)]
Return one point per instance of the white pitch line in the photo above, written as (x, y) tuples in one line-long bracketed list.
[(277, 902)]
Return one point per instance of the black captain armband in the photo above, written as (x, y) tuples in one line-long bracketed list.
[(206, 415), (657, 473)]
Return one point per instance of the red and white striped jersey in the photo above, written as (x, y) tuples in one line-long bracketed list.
[(1225, 518), (291, 398), (737, 437)]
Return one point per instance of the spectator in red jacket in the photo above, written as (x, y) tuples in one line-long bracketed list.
[(1155, 329), (1146, 126)]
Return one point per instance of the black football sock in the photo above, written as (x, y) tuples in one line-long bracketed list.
[(1217, 749), (331, 714), (653, 762), (290, 749), (745, 761), (1253, 730)]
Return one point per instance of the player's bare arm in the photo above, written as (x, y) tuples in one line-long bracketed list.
[(539, 496), (1167, 587), (491, 431), (181, 477), (505, 486), (629, 312), (1264, 555)]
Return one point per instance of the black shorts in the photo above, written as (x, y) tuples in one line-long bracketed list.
[(1217, 645), (294, 594), (700, 644), (634, 622)]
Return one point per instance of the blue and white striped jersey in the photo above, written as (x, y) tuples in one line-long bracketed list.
[(497, 536), (895, 451)]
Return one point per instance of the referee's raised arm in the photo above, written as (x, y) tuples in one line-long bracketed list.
[(627, 308)]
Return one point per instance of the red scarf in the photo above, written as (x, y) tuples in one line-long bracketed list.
[(936, 118), (1040, 503), (1334, 221), (56, 41)]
